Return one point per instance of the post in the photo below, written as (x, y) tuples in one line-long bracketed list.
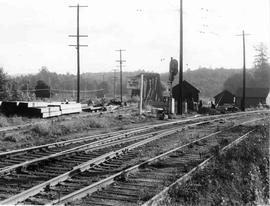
[(77, 46), (50, 88), (180, 96), (121, 89), (141, 95), (27, 88), (244, 74), (243, 101), (78, 55), (121, 64), (114, 84)]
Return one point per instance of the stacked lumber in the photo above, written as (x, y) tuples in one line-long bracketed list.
[(68, 108), (92, 109), (45, 112), (9, 107), (39, 109)]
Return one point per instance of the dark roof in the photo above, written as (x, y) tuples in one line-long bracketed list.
[(223, 93), (186, 85), (253, 92)]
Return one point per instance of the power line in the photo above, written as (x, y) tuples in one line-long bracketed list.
[(78, 45), (121, 62)]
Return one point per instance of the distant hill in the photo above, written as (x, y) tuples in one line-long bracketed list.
[(208, 81)]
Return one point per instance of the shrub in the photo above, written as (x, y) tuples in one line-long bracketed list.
[(42, 129), (3, 121)]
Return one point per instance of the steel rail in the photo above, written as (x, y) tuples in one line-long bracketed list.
[(86, 114), (93, 145), (7, 169), (109, 136), (66, 142), (87, 165), (154, 200), (105, 182), (176, 131)]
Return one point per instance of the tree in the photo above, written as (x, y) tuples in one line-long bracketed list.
[(42, 89), (13, 91), (236, 81), (262, 67), (3, 85), (258, 77), (104, 86), (261, 58)]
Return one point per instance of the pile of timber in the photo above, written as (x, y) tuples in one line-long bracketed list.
[(67, 108), (39, 109), (9, 108), (94, 109)]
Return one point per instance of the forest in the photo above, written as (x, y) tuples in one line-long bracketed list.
[(48, 84)]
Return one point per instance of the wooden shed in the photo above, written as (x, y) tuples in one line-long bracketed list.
[(190, 93), (224, 97), (254, 96)]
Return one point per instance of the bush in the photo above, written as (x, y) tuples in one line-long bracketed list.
[(3, 121), (238, 177), (42, 129)]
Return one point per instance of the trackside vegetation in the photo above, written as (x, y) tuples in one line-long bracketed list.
[(238, 177)]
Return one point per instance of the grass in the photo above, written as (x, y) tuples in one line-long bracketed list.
[(56, 129), (13, 120), (238, 177), (3, 121)]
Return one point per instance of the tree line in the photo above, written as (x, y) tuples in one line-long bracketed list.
[(60, 86), (258, 76)]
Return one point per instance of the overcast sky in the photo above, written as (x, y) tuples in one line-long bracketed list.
[(35, 34)]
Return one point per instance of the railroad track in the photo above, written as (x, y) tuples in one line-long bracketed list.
[(20, 127), (144, 183), (56, 171), (20, 158)]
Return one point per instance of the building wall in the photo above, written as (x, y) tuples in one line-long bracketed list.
[(250, 101)]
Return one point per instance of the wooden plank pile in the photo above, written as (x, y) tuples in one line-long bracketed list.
[(9, 107), (45, 112), (68, 108), (40, 109)]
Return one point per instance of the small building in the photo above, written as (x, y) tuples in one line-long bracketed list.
[(254, 96), (190, 93), (224, 97)]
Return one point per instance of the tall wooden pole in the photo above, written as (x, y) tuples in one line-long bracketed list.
[(78, 54), (141, 95), (121, 64), (114, 78), (244, 74), (121, 86), (243, 101), (77, 46), (180, 96)]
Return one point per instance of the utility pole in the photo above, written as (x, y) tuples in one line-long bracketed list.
[(121, 64), (50, 88), (78, 48), (243, 102), (114, 81), (180, 96)]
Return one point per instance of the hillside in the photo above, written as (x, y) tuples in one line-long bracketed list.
[(208, 81)]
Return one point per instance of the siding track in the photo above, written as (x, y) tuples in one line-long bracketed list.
[(63, 174)]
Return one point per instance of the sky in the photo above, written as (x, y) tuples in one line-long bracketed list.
[(35, 34)]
